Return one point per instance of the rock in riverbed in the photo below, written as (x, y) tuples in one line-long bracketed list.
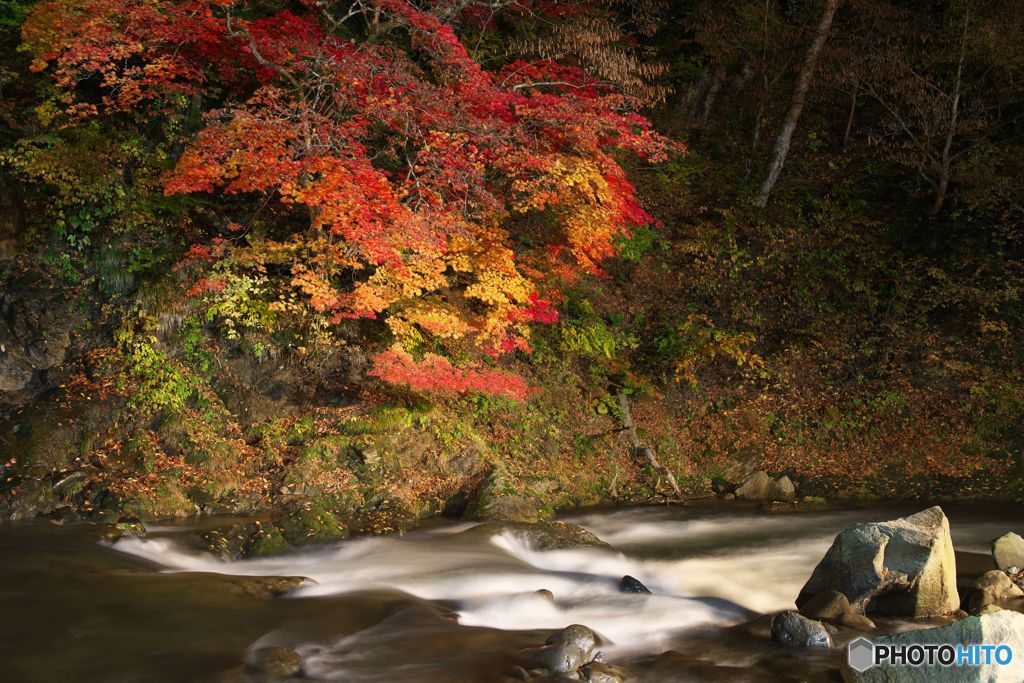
[(760, 486), (599, 672), (565, 651), (990, 588), (782, 489), (498, 500), (792, 629), (826, 605), (903, 567), (627, 584), (1008, 551), (755, 487), (276, 663), (834, 607), (543, 535)]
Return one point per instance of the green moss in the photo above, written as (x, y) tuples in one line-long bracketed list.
[(166, 500), (311, 523), (267, 541)]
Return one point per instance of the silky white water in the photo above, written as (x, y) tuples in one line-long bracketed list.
[(704, 570), (445, 604)]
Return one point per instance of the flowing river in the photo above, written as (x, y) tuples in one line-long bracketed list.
[(439, 604)]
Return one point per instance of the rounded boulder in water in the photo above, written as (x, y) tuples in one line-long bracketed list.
[(792, 629), (566, 650), (1008, 551), (577, 634)]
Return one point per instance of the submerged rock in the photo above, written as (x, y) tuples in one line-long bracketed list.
[(903, 567), (276, 663), (544, 535), (792, 629), (999, 628), (264, 586), (1008, 551)]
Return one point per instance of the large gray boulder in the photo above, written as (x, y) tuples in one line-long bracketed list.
[(903, 567), (999, 628), (792, 629), (1008, 551)]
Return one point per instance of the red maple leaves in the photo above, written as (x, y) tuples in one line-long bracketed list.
[(427, 183)]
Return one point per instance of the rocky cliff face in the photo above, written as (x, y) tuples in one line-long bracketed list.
[(40, 330)]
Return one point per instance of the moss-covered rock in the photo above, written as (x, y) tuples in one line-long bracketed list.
[(28, 499), (497, 499), (252, 539), (267, 541), (166, 499), (311, 522)]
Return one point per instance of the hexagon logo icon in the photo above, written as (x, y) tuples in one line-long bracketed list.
[(861, 654)]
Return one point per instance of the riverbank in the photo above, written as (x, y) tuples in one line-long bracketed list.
[(319, 474)]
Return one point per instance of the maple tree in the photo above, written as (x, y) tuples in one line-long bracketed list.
[(444, 199)]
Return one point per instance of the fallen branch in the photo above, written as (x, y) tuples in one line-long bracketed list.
[(639, 450)]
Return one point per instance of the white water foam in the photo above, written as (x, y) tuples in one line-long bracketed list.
[(703, 571), (494, 583)]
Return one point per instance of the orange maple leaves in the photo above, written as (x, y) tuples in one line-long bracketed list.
[(426, 183)]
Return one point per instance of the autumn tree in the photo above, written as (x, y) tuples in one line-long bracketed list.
[(414, 187)]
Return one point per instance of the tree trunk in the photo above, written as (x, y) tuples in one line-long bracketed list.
[(796, 105), (954, 116), (639, 450), (849, 119), (708, 101), (691, 100), (762, 98)]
